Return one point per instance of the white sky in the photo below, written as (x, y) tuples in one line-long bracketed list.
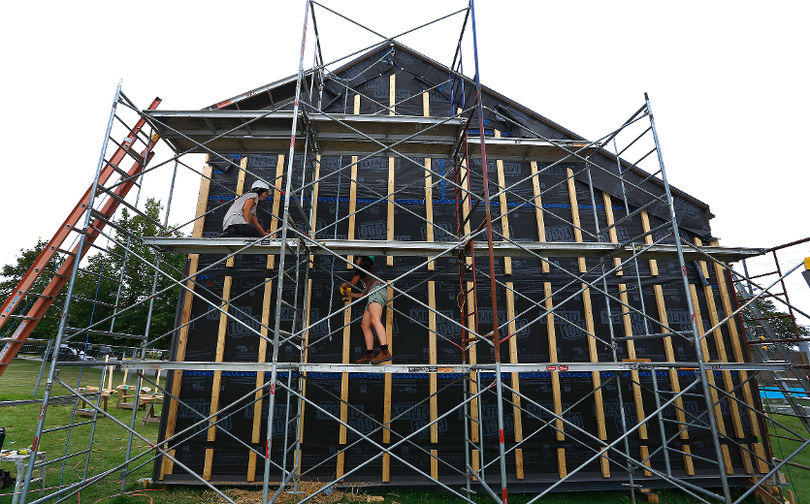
[(727, 81)]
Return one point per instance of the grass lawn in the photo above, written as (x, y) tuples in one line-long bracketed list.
[(17, 383)]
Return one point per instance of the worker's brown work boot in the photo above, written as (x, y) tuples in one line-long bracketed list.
[(383, 356), (365, 359)]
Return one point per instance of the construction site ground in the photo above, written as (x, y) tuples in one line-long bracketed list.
[(19, 423)]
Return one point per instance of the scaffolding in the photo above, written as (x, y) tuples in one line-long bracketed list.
[(621, 273)]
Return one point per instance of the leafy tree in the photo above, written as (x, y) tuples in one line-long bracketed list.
[(778, 321), (114, 277), (12, 274)]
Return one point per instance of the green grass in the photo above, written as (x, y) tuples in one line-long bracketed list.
[(799, 478), (110, 442)]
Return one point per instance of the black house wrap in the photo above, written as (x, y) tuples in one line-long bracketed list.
[(544, 454)]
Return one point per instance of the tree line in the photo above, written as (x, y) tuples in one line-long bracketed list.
[(109, 278)]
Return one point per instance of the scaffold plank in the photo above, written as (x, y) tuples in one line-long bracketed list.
[(413, 248), (262, 131), (441, 369)]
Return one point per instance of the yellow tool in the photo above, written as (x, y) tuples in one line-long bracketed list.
[(344, 291)]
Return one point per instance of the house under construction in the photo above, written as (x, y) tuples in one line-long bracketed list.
[(560, 317)]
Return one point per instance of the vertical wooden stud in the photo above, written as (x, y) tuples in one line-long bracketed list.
[(537, 200), (167, 466), (353, 191)]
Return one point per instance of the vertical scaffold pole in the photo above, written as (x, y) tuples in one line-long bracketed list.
[(145, 341), (696, 333), (282, 254), (496, 339), (66, 308)]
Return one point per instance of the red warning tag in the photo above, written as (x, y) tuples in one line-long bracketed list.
[(551, 367), (563, 368)]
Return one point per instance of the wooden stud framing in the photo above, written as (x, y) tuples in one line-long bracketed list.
[(429, 232), (718, 411), (648, 239), (222, 331), (517, 415), (735, 337), (271, 259), (627, 327), (432, 359), (306, 359), (614, 238), (262, 357), (386, 434), (552, 358), (353, 191), (167, 466), (720, 347), (562, 469), (669, 352), (601, 429), (344, 386), (389, 227), (314, 222), (216, 385), (392, 100), (507, 261), (538, 211), (577, 225), (472, 357)]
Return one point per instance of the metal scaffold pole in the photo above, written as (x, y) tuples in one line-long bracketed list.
[(65, 310), (285, 216), (597, 299), (696, 332)]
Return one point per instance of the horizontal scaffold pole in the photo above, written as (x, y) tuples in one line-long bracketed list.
[(427, 248)]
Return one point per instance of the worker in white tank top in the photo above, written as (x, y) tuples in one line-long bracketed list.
[(240, 219)]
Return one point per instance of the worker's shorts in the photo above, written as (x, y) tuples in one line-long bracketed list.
[(377, 295)]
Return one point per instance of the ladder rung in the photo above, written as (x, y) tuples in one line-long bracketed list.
[(22, 317), (67, 252)]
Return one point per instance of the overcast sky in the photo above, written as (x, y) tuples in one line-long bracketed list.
[(727, 81)]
